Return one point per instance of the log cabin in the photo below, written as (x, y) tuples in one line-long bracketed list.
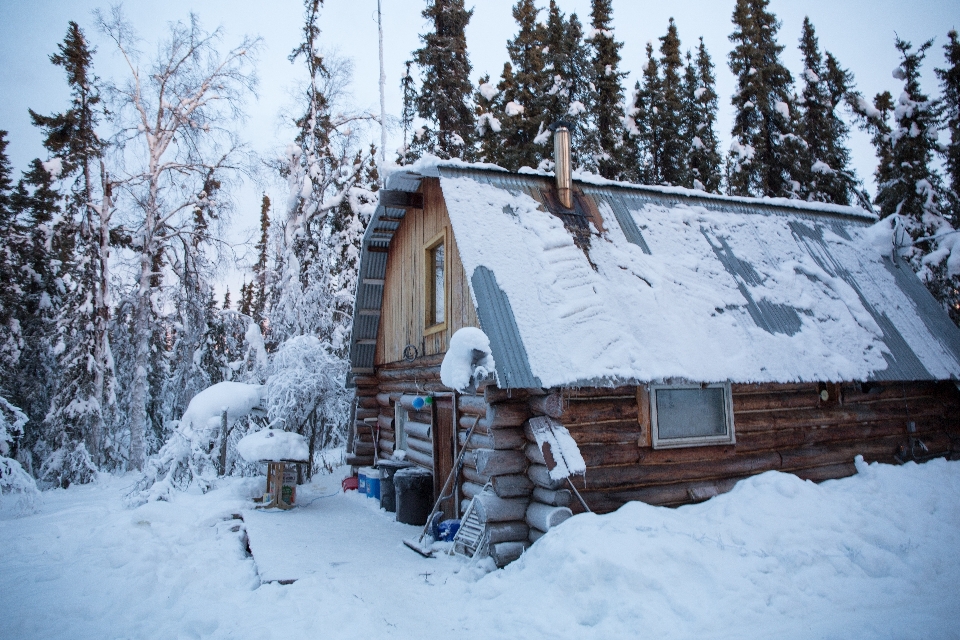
[(685, 340)]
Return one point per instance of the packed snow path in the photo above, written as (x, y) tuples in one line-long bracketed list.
[(872, 556)]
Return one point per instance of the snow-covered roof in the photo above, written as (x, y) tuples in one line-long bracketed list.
[(679, 285)]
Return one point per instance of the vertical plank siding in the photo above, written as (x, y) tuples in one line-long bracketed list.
[(403, 320)]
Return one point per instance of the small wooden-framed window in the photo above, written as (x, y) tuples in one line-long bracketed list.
[(691, 415), (435, 283)]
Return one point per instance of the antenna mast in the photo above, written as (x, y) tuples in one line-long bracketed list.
[(383, 103)]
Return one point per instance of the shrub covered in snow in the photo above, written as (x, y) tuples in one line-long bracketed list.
[(13, 479), (191, 456), (305, 391)]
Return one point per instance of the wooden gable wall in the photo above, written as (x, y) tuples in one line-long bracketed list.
[(402, 320)]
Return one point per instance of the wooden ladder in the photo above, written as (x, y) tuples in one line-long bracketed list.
[(469, 540)]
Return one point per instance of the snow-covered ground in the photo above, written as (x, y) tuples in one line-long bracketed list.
[(872, 556)]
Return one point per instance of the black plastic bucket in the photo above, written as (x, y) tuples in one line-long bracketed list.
[(414, 495), (388, 468)]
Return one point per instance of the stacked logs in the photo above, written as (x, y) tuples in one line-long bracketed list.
[(495, 456), (811, 430), (363, 441), (550, 499)]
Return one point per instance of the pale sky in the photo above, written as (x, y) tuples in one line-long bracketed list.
[(860, 33)]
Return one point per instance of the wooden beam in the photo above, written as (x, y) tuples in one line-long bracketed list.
[(394, 199), (373, 281), (369, 312)]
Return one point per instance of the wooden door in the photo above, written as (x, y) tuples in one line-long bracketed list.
[(443, 448)]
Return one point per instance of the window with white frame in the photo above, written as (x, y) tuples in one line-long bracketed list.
[(691, 415)]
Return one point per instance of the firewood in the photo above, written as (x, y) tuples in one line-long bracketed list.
[(558, 498), (545, 517)]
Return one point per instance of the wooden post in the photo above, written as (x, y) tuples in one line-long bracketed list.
[(224, 434)]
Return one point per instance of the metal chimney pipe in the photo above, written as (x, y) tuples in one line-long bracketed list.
[(561, 158)]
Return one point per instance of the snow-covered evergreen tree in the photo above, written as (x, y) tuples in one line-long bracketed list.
[(44, 242), (489, 103), (11, 250), (14, 479), (262, 275), (607, 112), (327, 176), (674, 140), (825, 171), (75, 422), (406, 154), (704, 160), (643, 148), (910, 191), (521, 107), (765, 148), (950, 85), (913, 189), (567, 71), (443, 101)]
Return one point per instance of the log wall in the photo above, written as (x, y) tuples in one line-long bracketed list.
[(402, 319), (784, 427)]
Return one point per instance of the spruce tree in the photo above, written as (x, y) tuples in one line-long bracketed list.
[(523, 94), (259, 288), (700, 117), (605, 79), (489, 105), (912, 189), (567, 71), (826, 176), (75, 423), (950, 85), (643, 148), (908, 185), (445, 89), (406, 154), (674, 141), (764, 149), (11, 248), (45, 238), (245, 306)]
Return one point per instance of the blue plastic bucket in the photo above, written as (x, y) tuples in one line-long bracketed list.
[(373, 483), (362, 481)]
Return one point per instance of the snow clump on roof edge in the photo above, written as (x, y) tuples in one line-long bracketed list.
[(461, 364)]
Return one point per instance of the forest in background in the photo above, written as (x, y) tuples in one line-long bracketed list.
[(109, 324)]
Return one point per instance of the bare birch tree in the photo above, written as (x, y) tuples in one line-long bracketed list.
[(175, 146)]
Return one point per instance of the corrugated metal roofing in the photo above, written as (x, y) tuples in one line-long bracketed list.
[(373, 270), (911, 317), (899, 323), (498, 322)]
